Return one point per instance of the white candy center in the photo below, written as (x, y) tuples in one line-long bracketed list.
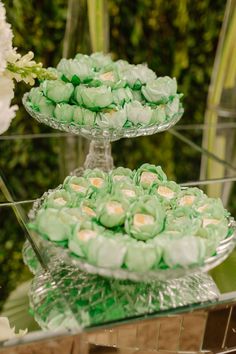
[(78, 188), (202, 208), (107, 76), (96, 181), (148, 177), (165, 192), (187, 200), (88, 211), (143, 219), (114, 208), (128, 192), (206, 222), (118, 177), (86, 235), (60, 201)]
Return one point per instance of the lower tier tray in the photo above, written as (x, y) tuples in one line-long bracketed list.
[(66, 297)]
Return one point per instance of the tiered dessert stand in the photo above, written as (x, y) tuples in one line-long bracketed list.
[(69, 293)]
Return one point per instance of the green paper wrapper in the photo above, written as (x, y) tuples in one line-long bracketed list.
[(106, 252), (78, 185), (64, 112), (59, 199), (111, 211), (141, 257), (111, 119), (189, 196), (138, 114), (57, 90), (121, 173), (99, 60), (122, 96), (137, 75), (184, 220), (148, 174), (165, 191), (75, 71), (184, 252), (126, 189), (82, 234), (52, 225), (211, 207), (40, 103), (159, 90), (145, 218), (97, 179), (93, 97)]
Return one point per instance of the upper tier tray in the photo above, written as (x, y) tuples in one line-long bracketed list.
[(98, 133)]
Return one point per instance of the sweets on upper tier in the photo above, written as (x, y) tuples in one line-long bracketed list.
[(136, 220), (96, 91)]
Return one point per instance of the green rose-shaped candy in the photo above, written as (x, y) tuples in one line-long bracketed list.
[(59, 199), (111, 119), (137, 96), (141, 257), (148, 174), (184, 252), (84, 58), (137, 75), (111, 211), (173, 107), (211, 238), (40, 103), (77, 185), (75, 71), (49, 223), (87, 208), (57, 90), (122, 95), (159, 114), (145, 218), (83, 116), (138, 114), (127, 189), (159, 90), (220, 225), (165, 191), (121, 173), (211, 207), (106, 252), (93, 97), (96, 178), (182, 219), (82, 234), (189, 196), (100, 60), (64, 112)]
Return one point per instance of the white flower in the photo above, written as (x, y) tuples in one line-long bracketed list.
[(7, 113), (6, 332), (5, 39)]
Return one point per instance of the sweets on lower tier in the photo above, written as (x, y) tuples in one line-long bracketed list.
[(135, 220), (96, 91)]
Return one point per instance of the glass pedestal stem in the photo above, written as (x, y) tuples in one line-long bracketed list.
[(99, 155)]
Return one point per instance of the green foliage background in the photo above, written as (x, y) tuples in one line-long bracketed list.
[(176, 38)]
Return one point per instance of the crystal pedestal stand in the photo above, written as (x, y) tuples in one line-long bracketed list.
[(99, 155), (66, 297)]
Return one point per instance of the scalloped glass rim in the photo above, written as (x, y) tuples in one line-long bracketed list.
[(224, 248), (91, 133)]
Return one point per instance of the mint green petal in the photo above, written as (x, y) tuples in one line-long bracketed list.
[(64, 112)]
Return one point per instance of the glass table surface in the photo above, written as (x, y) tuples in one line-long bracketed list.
[(16, 198)]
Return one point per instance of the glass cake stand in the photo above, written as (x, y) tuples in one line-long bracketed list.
[(51, 249), (70, 293), (99, 155)]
